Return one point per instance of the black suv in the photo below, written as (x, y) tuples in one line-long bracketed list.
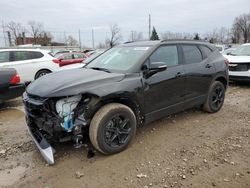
[(127, 86)]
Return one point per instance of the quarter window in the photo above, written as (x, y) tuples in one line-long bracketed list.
[(207, 51), (4, 57), (192, 54), (166, 54)]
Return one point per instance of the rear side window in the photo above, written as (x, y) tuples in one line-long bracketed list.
[(36, 55), (25, 55), (67, 57), (4, 57), (166, 54), (78, 56), (192, 54), (206, 51)]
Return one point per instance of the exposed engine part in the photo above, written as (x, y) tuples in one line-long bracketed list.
[(64, 108)]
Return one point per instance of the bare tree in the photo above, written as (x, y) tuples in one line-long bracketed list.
[(36, 30), (135, 36), (115, 35), (45, 39), (168, 35), (242, 24), (16, 29), (71, 41)]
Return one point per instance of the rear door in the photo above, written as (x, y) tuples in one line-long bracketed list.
[(26, 63), (198, 70), (165, 91)]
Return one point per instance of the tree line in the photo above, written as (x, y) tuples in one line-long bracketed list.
[(238, 33), (17, 34)]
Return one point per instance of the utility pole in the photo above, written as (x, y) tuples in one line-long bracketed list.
[(9, 37), (80, 44), (93, 39), (5, 43), (149, 26), (65, 39)]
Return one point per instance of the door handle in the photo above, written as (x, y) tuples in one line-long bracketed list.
[(208, 66)]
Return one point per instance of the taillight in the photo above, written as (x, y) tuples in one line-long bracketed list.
[(56, 61), (226, 61), (15, 79)]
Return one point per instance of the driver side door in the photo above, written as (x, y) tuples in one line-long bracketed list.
[(165, 91)]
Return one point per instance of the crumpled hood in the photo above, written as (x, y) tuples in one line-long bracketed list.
[(238, 59), (71, 82)]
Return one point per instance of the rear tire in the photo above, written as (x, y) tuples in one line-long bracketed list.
[(112, 128), (215, 98), (41, 73)]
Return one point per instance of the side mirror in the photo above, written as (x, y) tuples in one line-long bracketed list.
[(154, 68), (158, 66)]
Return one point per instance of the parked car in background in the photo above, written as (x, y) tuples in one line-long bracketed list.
[(29, 63), (239, 63), (63, 52), (96, 52), (228, 51), (10, 86), (127, 86), (70, 58)]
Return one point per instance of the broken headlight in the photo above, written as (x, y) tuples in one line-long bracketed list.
[(65, 109)]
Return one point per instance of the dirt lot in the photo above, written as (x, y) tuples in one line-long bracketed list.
[(190, 149)]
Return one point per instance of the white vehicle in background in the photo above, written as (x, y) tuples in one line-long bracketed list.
[(29, 63), (228, 51), (239, 63)]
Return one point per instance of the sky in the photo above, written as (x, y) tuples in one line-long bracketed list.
[(64, 17)]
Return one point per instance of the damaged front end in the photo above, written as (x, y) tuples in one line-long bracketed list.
[(53, 120)]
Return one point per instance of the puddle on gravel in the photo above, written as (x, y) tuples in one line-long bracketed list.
[(9, 176)]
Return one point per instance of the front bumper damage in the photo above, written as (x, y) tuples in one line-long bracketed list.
[(47, 123), (46, 150)]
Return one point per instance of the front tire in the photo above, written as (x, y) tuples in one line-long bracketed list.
[(215, 98), (112, 128)]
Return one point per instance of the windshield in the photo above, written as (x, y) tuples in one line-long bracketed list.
[(241, 51), (119, 59)]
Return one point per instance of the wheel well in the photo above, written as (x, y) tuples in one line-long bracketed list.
[(42, 70), (132, 105), (222, 80)]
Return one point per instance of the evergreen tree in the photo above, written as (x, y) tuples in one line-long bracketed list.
[(154, 35), (197, 37)]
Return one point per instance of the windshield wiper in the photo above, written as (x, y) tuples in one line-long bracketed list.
[(101, 69)]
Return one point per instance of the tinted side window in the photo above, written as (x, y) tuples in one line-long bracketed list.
[(78, 56), (192, 54), (207, 51), (20, 55), (36, 55), (166, 54), (67, 57), (4, 57)]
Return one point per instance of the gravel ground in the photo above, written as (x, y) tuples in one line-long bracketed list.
[(190, 149)]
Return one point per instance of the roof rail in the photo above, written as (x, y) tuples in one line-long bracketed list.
[(128, 42), (166, 40)]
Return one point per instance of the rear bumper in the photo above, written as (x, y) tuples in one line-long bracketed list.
[(12, 92)]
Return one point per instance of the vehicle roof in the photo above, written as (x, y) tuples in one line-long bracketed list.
[(246, 44), (67, 53), (23, 49), (157, 42)]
